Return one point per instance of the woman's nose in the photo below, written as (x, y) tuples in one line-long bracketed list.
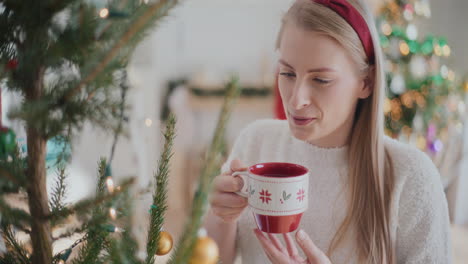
[(300, 97)]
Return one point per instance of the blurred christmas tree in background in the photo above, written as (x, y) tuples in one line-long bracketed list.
[(425, 102)]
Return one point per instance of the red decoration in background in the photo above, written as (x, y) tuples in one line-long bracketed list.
[(12, 64), (279, 109)]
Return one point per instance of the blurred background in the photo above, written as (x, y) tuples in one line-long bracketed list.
[(182, 67)]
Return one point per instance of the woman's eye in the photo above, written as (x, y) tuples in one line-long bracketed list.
[(287, 74), (322, 81)]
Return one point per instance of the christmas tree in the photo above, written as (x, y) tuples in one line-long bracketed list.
[(67, 60), (425, 99)]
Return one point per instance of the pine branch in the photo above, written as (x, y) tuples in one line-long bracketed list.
[(96, 235), (17, 250), (122, 249), (9, 258), (69, 233), (65, 254), (88, 204), (138, 28), (120, 252), (58, 5), (160, 194), (12, 173), (59, 191), (14, 216), (184, 250)]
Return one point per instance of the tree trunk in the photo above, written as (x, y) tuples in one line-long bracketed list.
[(37, 191)]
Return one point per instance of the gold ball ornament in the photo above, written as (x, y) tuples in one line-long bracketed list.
[(164, 244), (205, 252)]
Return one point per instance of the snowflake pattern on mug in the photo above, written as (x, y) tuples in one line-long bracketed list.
[(265, 196), (301, 195)]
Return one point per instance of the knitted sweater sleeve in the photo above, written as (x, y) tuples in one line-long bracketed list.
[(423, 232)]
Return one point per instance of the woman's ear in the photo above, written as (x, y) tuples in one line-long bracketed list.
[(368, 84)]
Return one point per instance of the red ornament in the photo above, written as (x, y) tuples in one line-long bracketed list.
[(12, 64), (409, 8)]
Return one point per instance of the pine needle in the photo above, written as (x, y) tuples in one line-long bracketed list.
[(159, 207), (184, 250)]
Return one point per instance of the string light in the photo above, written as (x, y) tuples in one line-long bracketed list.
[(110, 184), (412, 32), (451, 75), (444, 71), (461, 108), (438, 50), (103, 13), (148, 122), (407, 99), (112, 213), (387, 106), (421, 143), (113, 229), (446, 50), (64, 257), (418, 7), (408, 12), (438, 145), (386, 29), (404, 48), (420, 100)]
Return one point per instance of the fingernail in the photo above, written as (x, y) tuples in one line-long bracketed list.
[(240, 183), (301, 234)]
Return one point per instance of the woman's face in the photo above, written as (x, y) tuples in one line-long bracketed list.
[(320, 86)]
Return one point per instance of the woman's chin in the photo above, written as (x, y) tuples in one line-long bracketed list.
[(302, 134)]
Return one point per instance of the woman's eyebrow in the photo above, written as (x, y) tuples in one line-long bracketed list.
[(321, 69)]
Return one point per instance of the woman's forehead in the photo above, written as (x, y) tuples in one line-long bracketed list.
[(302, 48)]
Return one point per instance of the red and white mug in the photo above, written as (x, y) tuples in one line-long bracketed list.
[(277, 193)]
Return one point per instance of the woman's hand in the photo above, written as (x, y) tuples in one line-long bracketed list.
[(278, 254), (224, 201)]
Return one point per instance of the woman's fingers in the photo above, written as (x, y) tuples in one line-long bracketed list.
[(276, 242), (230, 200), (224, 201), (313, 253), (236, 165), (290, 245), (270, 249), (227, 183)]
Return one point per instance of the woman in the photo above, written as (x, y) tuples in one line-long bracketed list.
[(372, 199)]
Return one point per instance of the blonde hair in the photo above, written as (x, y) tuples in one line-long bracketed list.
[(371, 178)]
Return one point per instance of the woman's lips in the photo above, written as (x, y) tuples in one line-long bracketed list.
[(302, 121)]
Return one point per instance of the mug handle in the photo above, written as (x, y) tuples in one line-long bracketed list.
[(244, 175)]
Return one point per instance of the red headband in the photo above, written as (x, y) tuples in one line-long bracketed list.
[(357, 22)]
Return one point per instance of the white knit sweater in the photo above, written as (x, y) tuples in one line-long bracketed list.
[(419, 216)]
